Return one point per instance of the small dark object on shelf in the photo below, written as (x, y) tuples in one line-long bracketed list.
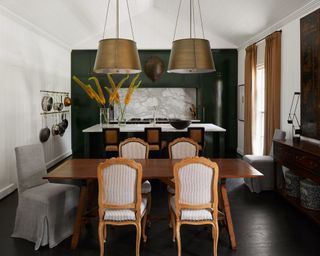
[(180, 124)]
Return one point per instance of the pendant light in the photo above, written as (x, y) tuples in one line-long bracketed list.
[(190, 55), (117, 55)]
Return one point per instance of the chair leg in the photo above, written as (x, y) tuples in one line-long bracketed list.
[(144, 222), (101, 238), (138, 237), (215, 237), (178, 238)]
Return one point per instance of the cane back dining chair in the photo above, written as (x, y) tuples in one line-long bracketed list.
[(120, 200), (180, 148), (111, 138), (135, 148), (153, 136), (46, 211), (197, 134), (196, 198)]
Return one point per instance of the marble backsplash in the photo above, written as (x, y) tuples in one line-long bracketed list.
[(163, 102)]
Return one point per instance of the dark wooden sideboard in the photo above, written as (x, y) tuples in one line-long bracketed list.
[(303, 158)]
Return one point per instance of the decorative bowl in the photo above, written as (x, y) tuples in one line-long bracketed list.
[(180, 124)]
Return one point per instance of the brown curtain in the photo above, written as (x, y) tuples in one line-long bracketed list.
[(249, 92), (272, 88)]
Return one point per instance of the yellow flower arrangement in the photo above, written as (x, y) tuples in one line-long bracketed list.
[(113, 91)]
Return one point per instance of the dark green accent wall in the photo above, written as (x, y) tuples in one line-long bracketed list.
[(217, 93)]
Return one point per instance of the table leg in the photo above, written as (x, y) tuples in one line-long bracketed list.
[(227, 213), (80, 212)]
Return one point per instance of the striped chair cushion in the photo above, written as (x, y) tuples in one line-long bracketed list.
[(183, 150), (192, 215), (171, 190), (124, 215), (195, 184), (119, 184), (133, 150), (146, 187)]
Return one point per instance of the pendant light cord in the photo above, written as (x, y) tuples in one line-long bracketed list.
[(105, 20), (201, 19), (194, 21), (175, 28), (130, 20)]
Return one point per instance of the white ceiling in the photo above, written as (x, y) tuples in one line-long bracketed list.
[(73, 22)]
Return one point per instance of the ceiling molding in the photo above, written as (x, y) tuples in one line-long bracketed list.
[(32, 27), (311, 6)]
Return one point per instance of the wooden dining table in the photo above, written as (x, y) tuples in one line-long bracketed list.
[(85, 170)]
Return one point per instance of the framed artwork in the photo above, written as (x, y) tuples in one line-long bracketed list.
[(241, 102), (310, 75)]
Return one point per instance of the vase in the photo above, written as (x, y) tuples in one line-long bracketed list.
[(104, 116), (122, 116)]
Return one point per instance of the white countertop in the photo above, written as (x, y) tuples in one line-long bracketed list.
[(164, 127)]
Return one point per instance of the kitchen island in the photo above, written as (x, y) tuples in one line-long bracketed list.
[(93, 139)]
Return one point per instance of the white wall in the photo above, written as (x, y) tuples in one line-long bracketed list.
[(290, 70), (28, 63), (153, 33)]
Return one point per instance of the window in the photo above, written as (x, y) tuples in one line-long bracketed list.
[(258, 133)]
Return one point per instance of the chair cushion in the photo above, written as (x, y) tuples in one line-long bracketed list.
[(163, 144), (127, 214), (146, 187), (170, 189), (111, 148), (254, 158), (49, 192), (192, 215), (154, 147)]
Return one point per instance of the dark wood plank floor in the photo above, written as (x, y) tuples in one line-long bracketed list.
[(264, 225)]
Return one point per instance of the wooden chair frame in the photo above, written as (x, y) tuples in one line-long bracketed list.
[(182, 139), (175, 215), (134, 139), (102, 230), (105, 142)]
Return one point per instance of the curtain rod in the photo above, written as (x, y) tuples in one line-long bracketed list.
[(266, 36)]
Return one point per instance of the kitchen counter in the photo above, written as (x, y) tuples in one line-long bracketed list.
[(214, 137), (164, 127)]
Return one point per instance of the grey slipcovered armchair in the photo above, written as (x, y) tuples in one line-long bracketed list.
[(263, 164), (46, 211)]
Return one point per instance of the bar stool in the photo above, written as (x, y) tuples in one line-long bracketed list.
[(111, 139), (153, 138), (197, 134)]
